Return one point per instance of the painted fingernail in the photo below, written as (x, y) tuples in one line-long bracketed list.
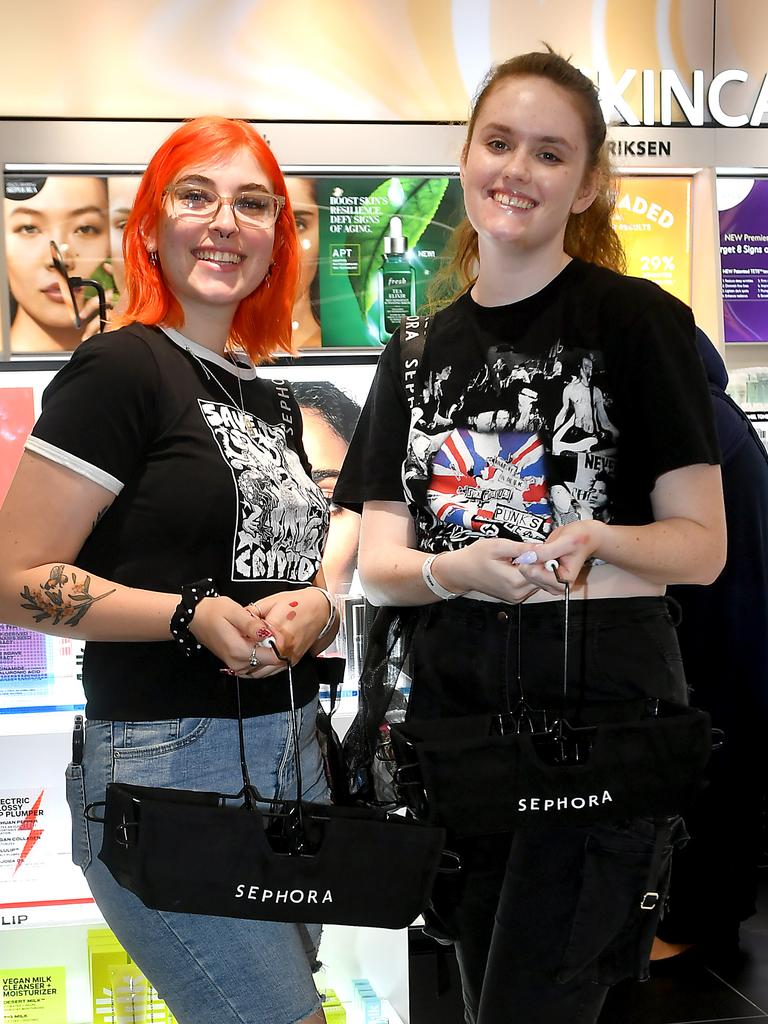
[(527, 558), (227, 671), (293, 604), (263, 633)]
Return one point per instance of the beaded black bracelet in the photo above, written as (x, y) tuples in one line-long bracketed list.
[(191, 596)]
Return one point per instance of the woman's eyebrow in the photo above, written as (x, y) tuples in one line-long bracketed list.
[(554, 140), (200, 179), (87, 209), (549, 140), (27, 212)]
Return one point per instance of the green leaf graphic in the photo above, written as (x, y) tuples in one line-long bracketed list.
[(421, 199)]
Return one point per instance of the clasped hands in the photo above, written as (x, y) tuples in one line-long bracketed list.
[(512, 571), (257, 640)]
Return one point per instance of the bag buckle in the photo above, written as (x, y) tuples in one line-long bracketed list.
[(649, 901)]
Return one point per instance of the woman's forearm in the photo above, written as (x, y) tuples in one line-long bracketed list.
[(391, 575), (676, 550), (64, 600)]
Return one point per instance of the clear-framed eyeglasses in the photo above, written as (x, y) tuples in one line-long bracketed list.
[(250, 209)]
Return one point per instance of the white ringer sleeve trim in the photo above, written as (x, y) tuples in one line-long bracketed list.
[(86, 469)]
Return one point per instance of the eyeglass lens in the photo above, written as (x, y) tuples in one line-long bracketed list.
[(259, 209)]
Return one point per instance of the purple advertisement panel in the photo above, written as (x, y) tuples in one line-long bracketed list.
[(742, 205)]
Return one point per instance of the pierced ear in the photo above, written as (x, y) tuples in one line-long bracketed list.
[(587, 193), (149, 238), (463, 162)]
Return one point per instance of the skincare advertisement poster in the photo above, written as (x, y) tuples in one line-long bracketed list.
[(33, 995), (38, 674), (380, 243), (330, 398), (742, 204), (369, 248), (84, 214), (39, 884), (653, 220)]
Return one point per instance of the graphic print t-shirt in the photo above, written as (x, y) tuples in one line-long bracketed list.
[(565, 406), (202, 489), (536, 449)]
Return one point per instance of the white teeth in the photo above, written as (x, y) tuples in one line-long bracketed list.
[(507, 200), (214, 256)]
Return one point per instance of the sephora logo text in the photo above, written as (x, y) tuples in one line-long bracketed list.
[(563, 803), (255, 892)]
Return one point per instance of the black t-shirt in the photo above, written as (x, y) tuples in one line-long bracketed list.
[(566, 405), (201, 491)]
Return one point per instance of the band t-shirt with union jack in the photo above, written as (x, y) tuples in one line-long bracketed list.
[(566, 405)]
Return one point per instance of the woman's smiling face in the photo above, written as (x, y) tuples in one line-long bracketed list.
[(216, 262), (524, 170)]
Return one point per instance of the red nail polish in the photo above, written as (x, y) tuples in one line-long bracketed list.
[(264, 633), (294, 604)]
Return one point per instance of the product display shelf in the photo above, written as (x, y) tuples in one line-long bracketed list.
[(62, 945), (379, 955)]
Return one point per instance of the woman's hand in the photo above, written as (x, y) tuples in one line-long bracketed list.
[(487, 567), (570, 546), (234, 634), (89, 314), (295, 618)]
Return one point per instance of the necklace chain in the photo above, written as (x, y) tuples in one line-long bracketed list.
[(211, 376)]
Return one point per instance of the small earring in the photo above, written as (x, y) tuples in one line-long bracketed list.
[(154, 259), (268, 275)]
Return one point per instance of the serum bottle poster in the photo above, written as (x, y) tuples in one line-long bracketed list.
[(653, 220), (742, 204), (381, 241)]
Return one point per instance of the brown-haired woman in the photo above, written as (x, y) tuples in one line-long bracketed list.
[(163, 466), (543, 920)]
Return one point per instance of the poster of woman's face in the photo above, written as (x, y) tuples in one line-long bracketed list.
[(70, 210), (122, 192), (329, 418), (306, 308)]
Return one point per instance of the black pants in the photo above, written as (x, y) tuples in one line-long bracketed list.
[(546, 919)]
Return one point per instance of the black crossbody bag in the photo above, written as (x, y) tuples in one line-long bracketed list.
[(576, 764), (245, 856)]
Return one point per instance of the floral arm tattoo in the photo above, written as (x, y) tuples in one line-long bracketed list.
[(55, 600)]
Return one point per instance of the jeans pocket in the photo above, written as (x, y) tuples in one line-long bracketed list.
[(81, 842), (168, 754), (610, 925)]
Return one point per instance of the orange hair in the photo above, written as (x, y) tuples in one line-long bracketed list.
[(262, 321)]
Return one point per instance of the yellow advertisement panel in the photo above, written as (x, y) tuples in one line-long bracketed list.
[(653, 219)]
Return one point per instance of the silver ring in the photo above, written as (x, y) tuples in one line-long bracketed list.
[(253, 661)]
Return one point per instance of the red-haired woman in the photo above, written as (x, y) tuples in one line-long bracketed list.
[(163, 467)]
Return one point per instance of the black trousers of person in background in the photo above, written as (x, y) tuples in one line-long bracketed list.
[(724, 642), (546, 919)]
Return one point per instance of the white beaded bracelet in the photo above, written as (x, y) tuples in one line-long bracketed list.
[(437, 589), (331, 616)]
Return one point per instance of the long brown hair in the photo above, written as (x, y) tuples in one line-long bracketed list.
[(262, 322), (589, 235)]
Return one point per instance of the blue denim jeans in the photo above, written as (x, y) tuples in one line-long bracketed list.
[(210, 970)]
